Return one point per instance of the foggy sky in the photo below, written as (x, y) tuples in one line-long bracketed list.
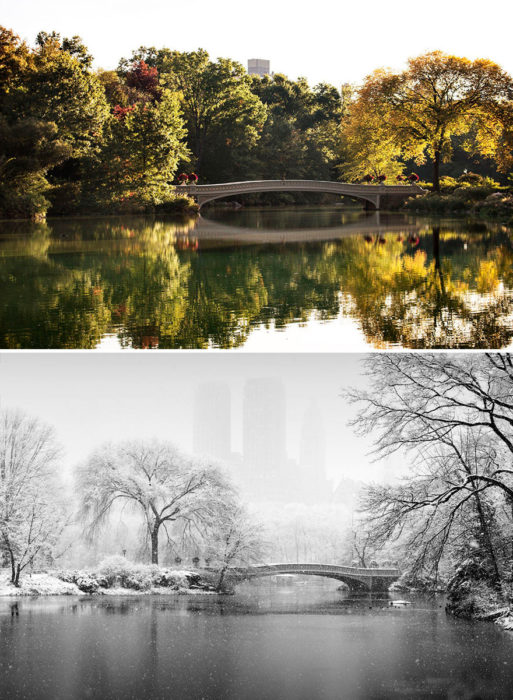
[(92, 398)]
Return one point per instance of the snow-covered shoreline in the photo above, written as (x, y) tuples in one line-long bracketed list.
[(45, 584)]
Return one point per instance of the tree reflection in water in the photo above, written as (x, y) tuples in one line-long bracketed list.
[(412, 283)]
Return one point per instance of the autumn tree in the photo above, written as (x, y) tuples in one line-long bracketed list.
[(143, 80), (15, 58), (31, 514), (163, 486), (366, 145), (436, 98)]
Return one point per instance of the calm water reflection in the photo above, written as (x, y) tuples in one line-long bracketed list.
[(259, 279), (304, 642)]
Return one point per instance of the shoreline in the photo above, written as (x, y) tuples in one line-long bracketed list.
[(45, 585), (68, 584)]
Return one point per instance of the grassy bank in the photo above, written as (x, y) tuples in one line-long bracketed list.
[(170, 205), (470, 195)]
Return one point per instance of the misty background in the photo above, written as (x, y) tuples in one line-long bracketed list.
[(278, 423)]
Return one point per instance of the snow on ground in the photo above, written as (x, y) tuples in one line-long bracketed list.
[(37, 584), (157, 590), (506, 622), (46, 584)]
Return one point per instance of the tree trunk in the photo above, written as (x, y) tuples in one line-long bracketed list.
[(436, 172), (220, 581), (487, 539), (13, 569), (155, 545), (17, 577)]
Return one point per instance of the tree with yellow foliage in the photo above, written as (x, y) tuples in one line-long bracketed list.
[(437, 97), (367, 147)]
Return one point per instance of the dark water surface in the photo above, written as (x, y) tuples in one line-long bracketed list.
[(298, 279), (303, 642)]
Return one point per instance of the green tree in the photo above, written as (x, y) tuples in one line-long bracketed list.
[(28, 149), (300, 135), (223, 117), (144, 148), (58, 87)]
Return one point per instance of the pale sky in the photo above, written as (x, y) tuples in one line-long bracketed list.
[(93, 398), (328, 40)]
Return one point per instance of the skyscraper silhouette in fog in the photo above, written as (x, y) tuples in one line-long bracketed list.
[(264, 438), (264, 433), (212, 422), (263, 471), (313, 484)]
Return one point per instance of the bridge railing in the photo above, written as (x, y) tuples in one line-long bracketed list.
[(321, 568), (321, 185)]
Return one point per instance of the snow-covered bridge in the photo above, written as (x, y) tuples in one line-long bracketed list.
[(376, 579)]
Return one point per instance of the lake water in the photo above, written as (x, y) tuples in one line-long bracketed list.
[(257, 279), (265, 643)]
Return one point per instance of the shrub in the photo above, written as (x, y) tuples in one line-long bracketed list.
[(472, 193), (139, 580), (498, 205), (475, 180), (15, 204), (119, 571), (471, 592), (448, 184), (177, 204), (470, 178), (115, 568), (88, 583), (165, 579)]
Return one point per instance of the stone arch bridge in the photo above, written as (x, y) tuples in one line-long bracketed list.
[(358, 578), (374, 196)]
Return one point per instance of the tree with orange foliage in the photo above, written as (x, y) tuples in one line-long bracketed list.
[(436, 98)]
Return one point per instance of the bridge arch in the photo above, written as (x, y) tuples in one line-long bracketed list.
[(373, 195), (375, 579)]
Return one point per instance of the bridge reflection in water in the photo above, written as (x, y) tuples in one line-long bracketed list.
[(374, 223), (359, 578)]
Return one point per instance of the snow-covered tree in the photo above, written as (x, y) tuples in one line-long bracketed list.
[(31, 515), (156, 480), (237, 540)]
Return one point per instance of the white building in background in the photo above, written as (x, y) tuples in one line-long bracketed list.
[(259, 66)]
